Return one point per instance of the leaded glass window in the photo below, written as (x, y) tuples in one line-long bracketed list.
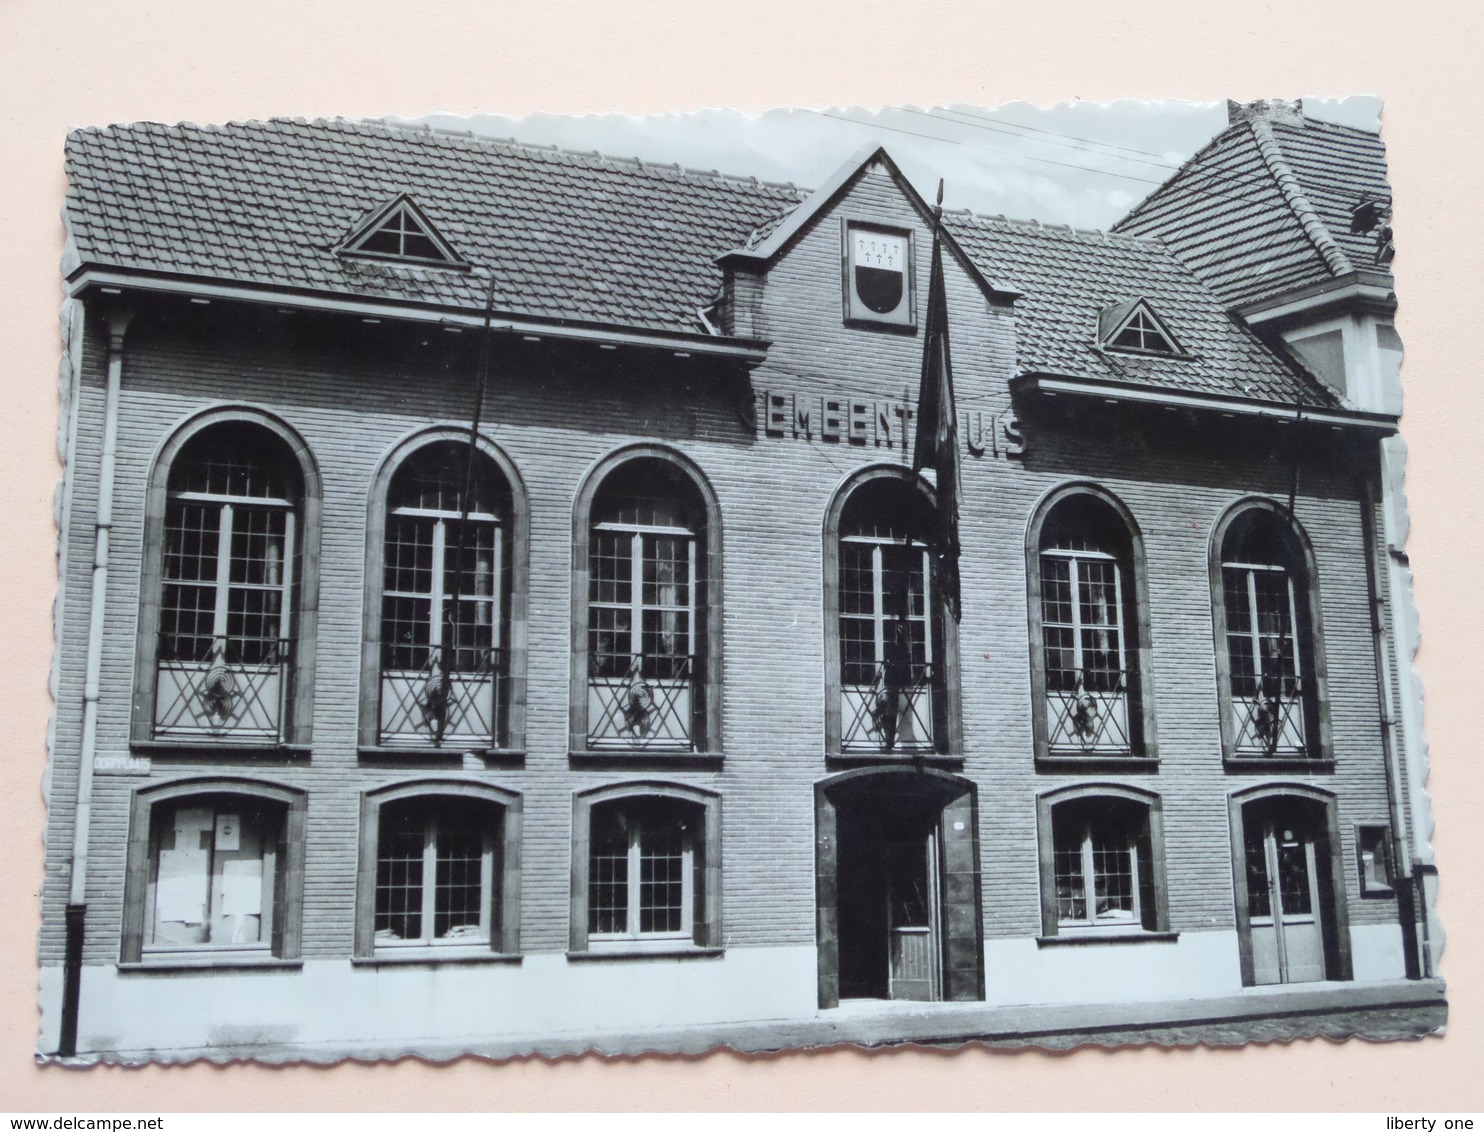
[(229, 565), (1264, 599), (644, 870), (436, 872), (886, 621), (444, 599), (1102, 865), (646, 582)]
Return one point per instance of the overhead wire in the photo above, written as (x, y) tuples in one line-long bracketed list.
[(1209, 173)]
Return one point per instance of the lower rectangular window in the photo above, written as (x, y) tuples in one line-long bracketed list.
[(1099, 870), (643, 873), (437, 872)]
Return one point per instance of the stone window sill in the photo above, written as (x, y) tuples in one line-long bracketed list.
[(1078, 939)]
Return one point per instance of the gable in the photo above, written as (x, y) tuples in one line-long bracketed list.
[(780, 234)]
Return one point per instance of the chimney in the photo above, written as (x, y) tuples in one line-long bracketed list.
[(1282, 111)]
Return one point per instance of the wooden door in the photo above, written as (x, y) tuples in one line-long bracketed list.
[(914, 920), (1284, 899)]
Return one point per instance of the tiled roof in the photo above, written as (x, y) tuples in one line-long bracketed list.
[(1265, 208), (585, 237), (567, 235), (1069, 277)]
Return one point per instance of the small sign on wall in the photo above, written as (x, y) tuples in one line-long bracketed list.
[(228, 833)]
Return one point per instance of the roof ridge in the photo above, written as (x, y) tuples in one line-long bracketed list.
[(517, 143), (1104, 235), (1293, 194)]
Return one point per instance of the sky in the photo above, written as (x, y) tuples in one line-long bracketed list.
[(1079, 163)]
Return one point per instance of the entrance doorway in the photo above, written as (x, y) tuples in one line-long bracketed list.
[(898, 888), (1293, 926)]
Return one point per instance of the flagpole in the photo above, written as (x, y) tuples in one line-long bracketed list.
[(936, 441), (448, 661)]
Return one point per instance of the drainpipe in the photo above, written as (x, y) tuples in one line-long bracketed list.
[(1406, 908), (77, 907)]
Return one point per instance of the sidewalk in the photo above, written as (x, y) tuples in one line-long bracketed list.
[(1378, 1011)]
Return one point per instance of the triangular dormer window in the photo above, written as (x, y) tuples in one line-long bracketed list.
[(1133, 325), (400, 231)]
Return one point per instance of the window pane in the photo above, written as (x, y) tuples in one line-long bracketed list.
[(432, 479), (1071, 888), (661, 876), (1259, 902), (192, 534), (1113, 879), (1098, 602), (187, 614), (233, 460), (608, 872), (1293, 875), (1239, 631), (857, 590), (253, 620), (409, 554), (399, 880), (415, 244), (611, 567), (1275, 628), (666, 571), (385, 241), (459, 886), (857, 650), (610, 640), (257, 547), (404, 632)]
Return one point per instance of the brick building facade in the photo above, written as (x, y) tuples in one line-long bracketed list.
[(644, 720)]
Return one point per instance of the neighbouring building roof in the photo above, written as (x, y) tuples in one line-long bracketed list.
[(585, 237), (1266, 208)]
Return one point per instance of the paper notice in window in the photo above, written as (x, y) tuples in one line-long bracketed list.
[(228, 833), (181, 891), (242, 888)]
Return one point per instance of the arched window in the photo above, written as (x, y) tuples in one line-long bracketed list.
[(214, 871), (445, 601), (646, 869), (230, 564), (645, 586), (440, 871), (1088, 636), (887, 631), (1271, 662), (1102, 862)]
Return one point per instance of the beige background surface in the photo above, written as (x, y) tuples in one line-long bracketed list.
[(65, 63)]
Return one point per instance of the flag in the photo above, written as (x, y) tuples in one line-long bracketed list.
[(936, 442)]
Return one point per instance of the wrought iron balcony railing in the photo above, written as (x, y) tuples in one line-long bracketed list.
[(1088, 721), (641, 703), (222, 688), (452, 700), (880, 719), (1270, 723)]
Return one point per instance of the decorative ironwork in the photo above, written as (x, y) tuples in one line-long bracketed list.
[(453, 698), (889, 717), (1088, 721), (648, 704), (234, 688), (1272, 723)]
